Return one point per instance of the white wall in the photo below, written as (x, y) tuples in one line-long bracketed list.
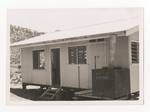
[(69, 72), (134, 68), (26, 66), (71, 76), (98, 50), (31, 75)]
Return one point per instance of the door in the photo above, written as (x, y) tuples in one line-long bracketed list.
[(55, 62)]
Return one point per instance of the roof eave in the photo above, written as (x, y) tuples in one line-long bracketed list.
[(77, 39), (69, 40)]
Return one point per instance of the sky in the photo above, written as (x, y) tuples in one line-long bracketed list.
[(49, 20)]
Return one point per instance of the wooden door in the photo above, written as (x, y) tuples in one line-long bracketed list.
[(55, 69)]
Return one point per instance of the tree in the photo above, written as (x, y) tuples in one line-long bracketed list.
[(18, 33)]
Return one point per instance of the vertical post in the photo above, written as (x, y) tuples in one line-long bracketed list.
[(79, 75), (95, 61), (112, 50), (77, 55)]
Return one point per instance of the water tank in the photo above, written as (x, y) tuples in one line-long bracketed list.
[(111, 82)]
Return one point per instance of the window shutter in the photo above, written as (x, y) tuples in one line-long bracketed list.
[(135, 52)]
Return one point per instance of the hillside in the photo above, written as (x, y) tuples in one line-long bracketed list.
[(18, 33)]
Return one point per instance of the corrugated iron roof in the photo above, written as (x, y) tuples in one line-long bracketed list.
[(106, 27)]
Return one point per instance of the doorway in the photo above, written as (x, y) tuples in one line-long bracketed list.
[(55, 69)]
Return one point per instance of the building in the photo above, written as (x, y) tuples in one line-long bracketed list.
[(67, 58)]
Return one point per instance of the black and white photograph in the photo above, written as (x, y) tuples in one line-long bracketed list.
[(74, 54)]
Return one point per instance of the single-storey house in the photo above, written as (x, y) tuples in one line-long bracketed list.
[(66, 58)]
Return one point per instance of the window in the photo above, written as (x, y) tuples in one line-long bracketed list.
[(77, 55), (135, 52), (38, 59), (72, 55), (82, 55)]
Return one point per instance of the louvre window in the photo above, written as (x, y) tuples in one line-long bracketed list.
[(38, 59), (135, 52), (77, 55)]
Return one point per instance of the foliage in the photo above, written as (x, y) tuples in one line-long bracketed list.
[(18, 33)]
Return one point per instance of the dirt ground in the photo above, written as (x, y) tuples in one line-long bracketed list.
[(31, 93)]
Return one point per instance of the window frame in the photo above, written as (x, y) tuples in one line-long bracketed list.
[(135, 57), (76, 54), (37, 67)]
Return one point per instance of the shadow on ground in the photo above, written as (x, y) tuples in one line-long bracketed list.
[(34, 94), (31, 94)]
